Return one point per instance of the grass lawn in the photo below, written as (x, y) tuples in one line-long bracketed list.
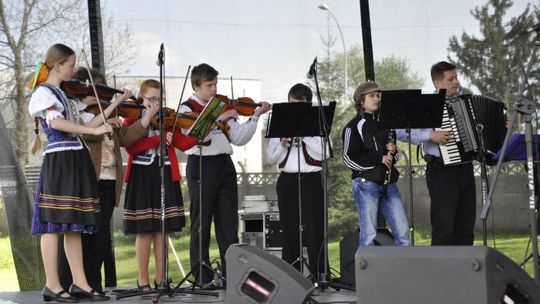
[(512, 245)]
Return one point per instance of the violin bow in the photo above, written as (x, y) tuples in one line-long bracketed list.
[(181, 98), (114, 83), (232, 89), (93, 86), (232, 94)]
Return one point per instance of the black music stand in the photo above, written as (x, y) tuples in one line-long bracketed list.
[(206, 121), (299, 119), (410, 109)]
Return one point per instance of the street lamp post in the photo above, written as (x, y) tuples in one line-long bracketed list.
[(325, 7)]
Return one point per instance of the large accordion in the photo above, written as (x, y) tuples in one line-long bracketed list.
[(466, 117)]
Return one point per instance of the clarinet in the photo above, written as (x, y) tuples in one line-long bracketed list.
[(388, 174)]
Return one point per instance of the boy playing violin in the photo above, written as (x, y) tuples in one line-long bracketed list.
[(107, 160), (220, 193)]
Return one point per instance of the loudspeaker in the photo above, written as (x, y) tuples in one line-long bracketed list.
[(347, 250), (254, 276), (440, 274)]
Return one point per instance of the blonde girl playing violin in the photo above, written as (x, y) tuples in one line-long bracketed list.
[(142, 205), (67, 198)]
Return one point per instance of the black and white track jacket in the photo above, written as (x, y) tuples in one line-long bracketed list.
[(364, 145)]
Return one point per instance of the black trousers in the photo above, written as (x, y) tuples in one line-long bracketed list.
[(219, 202), (94, 246), (312, 218), (452, 192)]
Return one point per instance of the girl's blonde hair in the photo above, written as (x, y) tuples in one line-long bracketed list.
[(58, 53)]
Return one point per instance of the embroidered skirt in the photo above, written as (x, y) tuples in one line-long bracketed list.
[(142, 204), (67, 196)]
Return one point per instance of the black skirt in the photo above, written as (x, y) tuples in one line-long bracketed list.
[(67, 198), (142, 204)]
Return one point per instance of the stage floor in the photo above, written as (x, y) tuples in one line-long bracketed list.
[(328, 296)]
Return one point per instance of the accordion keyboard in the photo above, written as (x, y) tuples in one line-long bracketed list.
[(450, 151)]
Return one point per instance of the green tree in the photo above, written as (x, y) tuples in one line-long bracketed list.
[(500, 63), (27, 29), (391, 73)]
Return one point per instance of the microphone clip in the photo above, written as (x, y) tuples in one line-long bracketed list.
[(312, 69), (161, 55)]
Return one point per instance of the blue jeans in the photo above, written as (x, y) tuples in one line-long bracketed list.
[(366, 195)]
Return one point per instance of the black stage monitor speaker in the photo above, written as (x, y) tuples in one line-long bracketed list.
[(440, 274), (254, 276), (348, 247)]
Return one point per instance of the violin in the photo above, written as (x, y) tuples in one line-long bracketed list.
[(245, 106), (79, 89), (127, 109), (184, 120)]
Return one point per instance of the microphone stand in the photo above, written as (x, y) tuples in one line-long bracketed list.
[(297, 141), (178, 288), (525, 108), (410, 185), (163, 286), (483, 177), (324, 280)]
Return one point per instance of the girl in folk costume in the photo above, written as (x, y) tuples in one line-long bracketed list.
[(107, 160), (67, 197), (142, 206)]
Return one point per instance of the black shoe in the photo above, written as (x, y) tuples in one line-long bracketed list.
[(168, 285), (208, 286), (49, 295), (143, 288), (92, 296), (212, 285)]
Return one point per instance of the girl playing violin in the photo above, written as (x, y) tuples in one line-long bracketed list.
[(142, 206), (220, 199), (67, 198), (107, 160)]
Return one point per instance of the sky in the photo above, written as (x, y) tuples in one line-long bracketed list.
[(275, 41)]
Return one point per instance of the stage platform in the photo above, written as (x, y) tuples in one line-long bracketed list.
[(328, 296)]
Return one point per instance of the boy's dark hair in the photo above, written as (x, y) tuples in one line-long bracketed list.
[(202, 72), (300, 91), (438, 69), (82, 75)]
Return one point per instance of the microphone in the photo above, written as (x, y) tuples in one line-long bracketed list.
[(161, 55), (312, 69)]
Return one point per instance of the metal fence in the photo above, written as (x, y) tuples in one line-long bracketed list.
[(259, 179)]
